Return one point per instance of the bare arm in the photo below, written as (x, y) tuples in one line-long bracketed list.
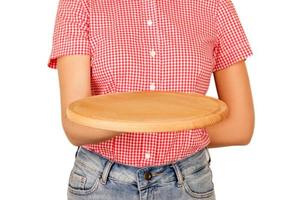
[(74, 82), (233, 88)]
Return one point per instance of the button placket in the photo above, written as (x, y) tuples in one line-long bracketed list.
[(151, 17), (156, 54)]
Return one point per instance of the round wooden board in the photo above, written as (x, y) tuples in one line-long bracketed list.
[(147, 111)]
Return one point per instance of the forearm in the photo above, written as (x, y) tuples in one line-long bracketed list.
[(230, 132), (80, 135)]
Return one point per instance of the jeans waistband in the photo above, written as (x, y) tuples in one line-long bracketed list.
[(131, 174)]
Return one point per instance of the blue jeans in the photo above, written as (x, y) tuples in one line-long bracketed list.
[(94, 177)]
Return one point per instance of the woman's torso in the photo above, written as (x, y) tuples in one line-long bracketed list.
[(151, 45)]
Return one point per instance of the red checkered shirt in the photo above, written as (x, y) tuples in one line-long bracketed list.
[(150, 45)]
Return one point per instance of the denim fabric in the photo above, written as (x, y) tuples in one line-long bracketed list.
[(94, 177)]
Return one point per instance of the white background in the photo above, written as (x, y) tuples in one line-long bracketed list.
[(36, 157)]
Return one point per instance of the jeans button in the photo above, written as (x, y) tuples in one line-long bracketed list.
[(147, 175)]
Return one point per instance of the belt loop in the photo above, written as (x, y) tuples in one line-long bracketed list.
[(178, 173), (207, 155), (78, 147), (106, 171)]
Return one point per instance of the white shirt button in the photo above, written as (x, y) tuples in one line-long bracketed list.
[(149, 22), (147, 155), (152, 53), (152, 86)]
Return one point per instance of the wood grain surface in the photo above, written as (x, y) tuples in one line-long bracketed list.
[(147, 111)]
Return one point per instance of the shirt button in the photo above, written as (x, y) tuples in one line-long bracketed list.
[(147, 175), (152, 86), (147, 155), (149, 22), (152, 53)]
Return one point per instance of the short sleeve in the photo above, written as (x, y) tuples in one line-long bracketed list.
[(71, 30), (231, 44)]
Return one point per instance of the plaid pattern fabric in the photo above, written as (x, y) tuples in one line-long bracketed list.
[(150, 45)]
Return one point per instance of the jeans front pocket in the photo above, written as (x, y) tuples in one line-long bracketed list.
[(198, 183), (83, 180)]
